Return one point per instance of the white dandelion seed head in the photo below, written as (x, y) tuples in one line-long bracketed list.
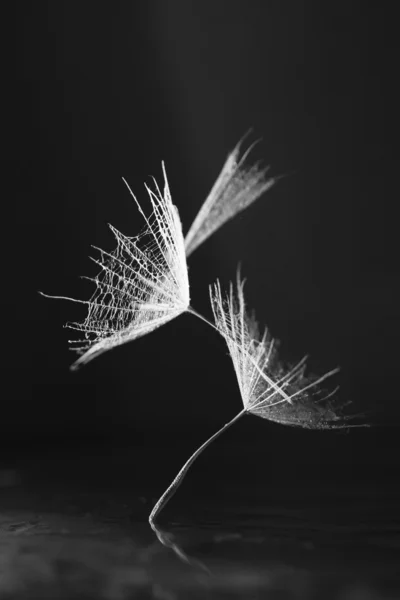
[(268, 389), (142, 284), (237, 186)]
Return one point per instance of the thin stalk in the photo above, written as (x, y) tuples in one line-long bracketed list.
[(194, 312), (172, 488)]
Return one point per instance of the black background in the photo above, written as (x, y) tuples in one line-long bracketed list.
[(102, 90)]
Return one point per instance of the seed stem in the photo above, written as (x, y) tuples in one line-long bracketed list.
[(173, 487)]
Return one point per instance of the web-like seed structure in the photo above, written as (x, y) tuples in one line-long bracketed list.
[(268, 389), (250, 356), (142, 284), (237, 187)]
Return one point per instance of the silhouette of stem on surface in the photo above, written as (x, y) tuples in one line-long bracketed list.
[(166, 538)]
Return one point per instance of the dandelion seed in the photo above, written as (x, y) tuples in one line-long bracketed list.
[(268, 390), (143, 283), (236, 188)]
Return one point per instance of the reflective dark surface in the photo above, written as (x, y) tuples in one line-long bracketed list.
[(75, 526)]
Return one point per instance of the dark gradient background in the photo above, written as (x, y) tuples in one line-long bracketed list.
[(102, 90)]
